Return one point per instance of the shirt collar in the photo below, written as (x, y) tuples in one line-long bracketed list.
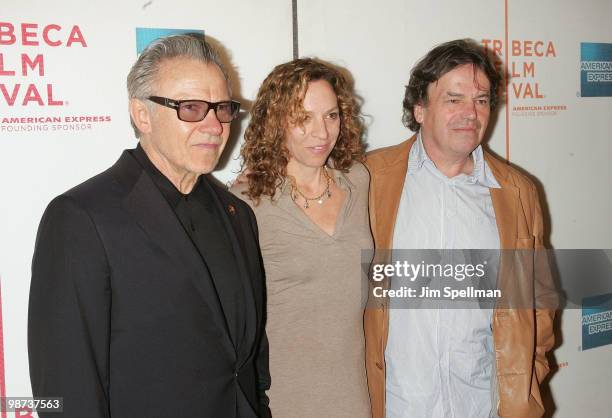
[(481, 174), (417, 156), (172, 195)]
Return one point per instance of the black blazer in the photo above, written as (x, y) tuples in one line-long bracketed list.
[(125, 319)]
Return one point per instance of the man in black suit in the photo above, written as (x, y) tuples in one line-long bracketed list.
[(147, 294)]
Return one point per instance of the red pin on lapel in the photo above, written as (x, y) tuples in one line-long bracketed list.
[(231, 209)]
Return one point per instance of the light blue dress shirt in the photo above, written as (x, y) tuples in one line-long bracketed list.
[(439, 361)]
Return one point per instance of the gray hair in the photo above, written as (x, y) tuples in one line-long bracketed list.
[(141, 78)]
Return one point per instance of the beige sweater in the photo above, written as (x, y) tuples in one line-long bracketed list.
[(315, 298)]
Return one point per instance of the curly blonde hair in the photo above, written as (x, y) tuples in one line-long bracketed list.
[(279, 103)]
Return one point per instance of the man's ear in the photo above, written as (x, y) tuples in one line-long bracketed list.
[(141, 115), (419, 112)]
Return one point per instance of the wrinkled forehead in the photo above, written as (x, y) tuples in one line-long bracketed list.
[(191, 76), (465, 75)]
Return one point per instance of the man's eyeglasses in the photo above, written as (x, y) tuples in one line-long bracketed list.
[(196, 110)]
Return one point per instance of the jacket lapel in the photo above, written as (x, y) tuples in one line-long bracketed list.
[(387, 185), (388, 182), (505, 204), (231, 222), (153, 214)]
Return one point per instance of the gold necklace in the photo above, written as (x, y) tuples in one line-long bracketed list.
[(319, 199)]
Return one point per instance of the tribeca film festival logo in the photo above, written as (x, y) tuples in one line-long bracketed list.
[(595, 70), (24, 86), (2, 378), (524, 64)]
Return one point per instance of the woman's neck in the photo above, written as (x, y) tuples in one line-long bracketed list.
[(308, 179)]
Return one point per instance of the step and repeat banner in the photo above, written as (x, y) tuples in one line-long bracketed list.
[(64, 118)]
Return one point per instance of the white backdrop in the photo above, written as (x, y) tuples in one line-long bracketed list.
[(568, 151)]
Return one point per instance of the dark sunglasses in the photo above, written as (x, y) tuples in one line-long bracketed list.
[(196, 110)]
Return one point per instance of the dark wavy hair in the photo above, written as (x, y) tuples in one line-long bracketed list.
[(439, 61), (279, 103)]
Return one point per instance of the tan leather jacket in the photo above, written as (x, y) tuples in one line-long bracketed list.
[(521, 336)]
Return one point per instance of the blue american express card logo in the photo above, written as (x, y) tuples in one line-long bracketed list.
[(595, 69), (596, 321)]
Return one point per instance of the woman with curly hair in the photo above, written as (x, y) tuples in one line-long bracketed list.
[(309, 191)]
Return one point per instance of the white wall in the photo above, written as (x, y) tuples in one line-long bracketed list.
[(378, 42)]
